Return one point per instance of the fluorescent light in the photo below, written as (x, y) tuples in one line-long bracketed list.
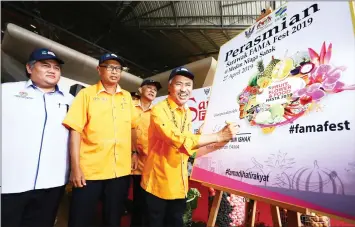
[(33, 26)]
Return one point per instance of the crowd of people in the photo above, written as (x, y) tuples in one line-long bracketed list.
[(98, 141)]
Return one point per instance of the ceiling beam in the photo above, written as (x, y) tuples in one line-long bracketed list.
[(196, 17), (146, 13), (196, 27), (174, 42), (172, 4), (226, 35), (127, 10), (191, 41), (239, 3), (209, 39), (221, 12), (46, 23)]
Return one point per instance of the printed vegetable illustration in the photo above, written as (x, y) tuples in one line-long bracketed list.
[(289, 87), (317, 179)]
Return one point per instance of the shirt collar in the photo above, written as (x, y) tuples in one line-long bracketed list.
[(31, 84), (174, 106), (138, 103), (101, 88)]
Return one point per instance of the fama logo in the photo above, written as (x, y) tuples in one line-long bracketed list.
[(249, 32), (281, 12), (207, 91)]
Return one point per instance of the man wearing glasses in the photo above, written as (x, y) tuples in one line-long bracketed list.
[(100, 122)]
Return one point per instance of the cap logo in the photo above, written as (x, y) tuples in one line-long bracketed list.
[(114, 55), (51, 53), (183, 69)]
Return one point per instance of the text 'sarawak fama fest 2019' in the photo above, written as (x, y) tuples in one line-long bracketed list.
[(289, 82)]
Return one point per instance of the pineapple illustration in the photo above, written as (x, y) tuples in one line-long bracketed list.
[(260, 66), (265, 77)]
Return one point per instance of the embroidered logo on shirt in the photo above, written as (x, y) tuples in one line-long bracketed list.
[(98, 99), (23, 95)]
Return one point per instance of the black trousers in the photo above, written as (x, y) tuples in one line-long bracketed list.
[(165, 213), (37, 208), (83, 206), (139, 211)]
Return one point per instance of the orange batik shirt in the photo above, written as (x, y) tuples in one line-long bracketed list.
[(171, 142), (142, 123)]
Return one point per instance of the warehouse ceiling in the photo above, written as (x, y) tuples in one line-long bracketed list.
[(153, 36)]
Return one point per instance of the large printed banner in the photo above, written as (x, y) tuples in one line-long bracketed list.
[(289, 82), (198, 105)]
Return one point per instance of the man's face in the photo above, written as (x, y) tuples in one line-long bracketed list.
[(180, 89), (110, 72), (45, 73), (148, 91)]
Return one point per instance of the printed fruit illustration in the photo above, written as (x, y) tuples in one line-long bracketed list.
[(251, 103), (268, 130), (263, 117), (270, 67), (282, 69), (264, 82), (306, 68), (253, 81), (277, 110), (260, 66)]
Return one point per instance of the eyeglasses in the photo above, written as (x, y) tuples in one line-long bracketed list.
[(110, 68)]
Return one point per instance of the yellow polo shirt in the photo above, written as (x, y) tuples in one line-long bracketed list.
[(104, 121), (143, 121), (165, 170)]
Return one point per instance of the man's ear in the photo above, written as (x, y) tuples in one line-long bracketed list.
[(98, 69), (28, 68), (140, 90)]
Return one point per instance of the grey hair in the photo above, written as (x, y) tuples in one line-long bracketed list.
[(31, 64)]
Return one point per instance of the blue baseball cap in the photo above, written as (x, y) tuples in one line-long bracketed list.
[(44, 54), (111, 56), (181, 71), (151, 82)]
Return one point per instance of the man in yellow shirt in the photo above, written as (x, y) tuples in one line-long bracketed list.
[(100, 121), (148, 91), (171, 142)]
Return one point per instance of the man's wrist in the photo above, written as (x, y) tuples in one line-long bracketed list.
[(134, 152), (218, 139)]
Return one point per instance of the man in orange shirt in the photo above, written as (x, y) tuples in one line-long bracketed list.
[(171, 142), (148, 91), (100, 121)]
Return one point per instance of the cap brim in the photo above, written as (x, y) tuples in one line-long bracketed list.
[(155, 83), (184, 73), (60, 61), (116, 59)]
